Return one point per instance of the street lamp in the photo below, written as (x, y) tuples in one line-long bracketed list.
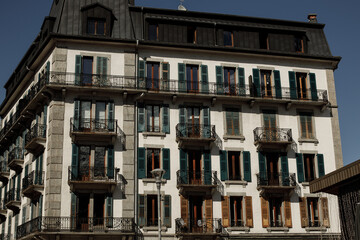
[(158, 174)]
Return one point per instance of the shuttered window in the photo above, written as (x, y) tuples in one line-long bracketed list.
[(314, 212), (306, 125), (148, 210), (153, 118), (232, 121), (150, 159), (237, 211), (233, 166)]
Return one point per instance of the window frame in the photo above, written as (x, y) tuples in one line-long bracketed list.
[(231, 36), (241, 176), (299, 83), (96, 22), (299, 40), (309, 134), (156, 29), (193, 31), (146, 118), (148, 171), (263, 84), (242, 211), (226, 136), (282, 211), (192, 82), (310, 212)]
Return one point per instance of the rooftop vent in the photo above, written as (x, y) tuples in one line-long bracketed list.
[(312, 18), (181, 7)]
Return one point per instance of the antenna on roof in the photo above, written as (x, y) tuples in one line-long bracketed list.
[(181, 7)]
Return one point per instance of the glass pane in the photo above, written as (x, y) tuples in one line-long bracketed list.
[(149, 118), (91, 26), (195, 80), (100, 115), (227, 38), (85, 114), (99, 165), (87, 70), (84, 158), (188, 77), (156, 118), (149, 75), (152, 35), (156, 75), (100, 27)]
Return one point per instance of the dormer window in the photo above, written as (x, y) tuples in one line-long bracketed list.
[(299, 44), (228, 39), (264, 40), (96, 26), (153, 32)]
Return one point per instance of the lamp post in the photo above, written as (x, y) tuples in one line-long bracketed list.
[(158, 174)]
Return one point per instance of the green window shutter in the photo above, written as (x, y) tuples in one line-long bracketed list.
[(167, 211), (141, 163), (141, 210), (182, 80), (278, 93), (206, 122), (256, 81), (141, 79), (110, 163), (77, 69), (262, 166), (242, 87), (101, 70), (76, 114), (285, 170), (183, 167), (313, 88), (109, 211), (204, 79), (48, 72), (75, 162), (321, 166), (223, 166), (292, 84), (165, 76), (165, 119), (40, 205), (73, 210), (182, 121), (247, 166), (111, 117), (166, 162), (219, 80), (207, 168), (141, 117), (300, 167), (45, 114)]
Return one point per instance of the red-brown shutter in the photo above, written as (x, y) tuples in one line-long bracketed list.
[(225, 211), (208, 213), (303, 215), (184, 209), (325, 212), (265, 212), (249, 212), (288, 221)]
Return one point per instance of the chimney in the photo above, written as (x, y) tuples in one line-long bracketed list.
[(312, 18)]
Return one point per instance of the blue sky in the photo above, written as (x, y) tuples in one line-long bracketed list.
[(20, 21)]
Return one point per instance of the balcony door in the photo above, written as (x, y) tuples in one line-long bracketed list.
[(87, 70), (196, 213), (99, 213), (301, 85), (100, 116), (83, 212), (269, 118), (85, 115), (152, 75), (192, 78), (84, 163), (195, 167), (275, 212), (193, 121), (99, 164), (229, 81), (272, 169), (266, 88)]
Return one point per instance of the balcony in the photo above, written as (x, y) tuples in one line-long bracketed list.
[(3, 211), (203, 182), (88, 129), (16, 159), (13, 200), (195, 135), (33, 184), (192, 228), (100, 227), (275, 183), (35, 139), (272, 138), (4, 172), (6, 237), (92, 178)]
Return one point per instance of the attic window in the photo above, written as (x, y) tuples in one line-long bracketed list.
[(228, 39), (96, 26), (153, 32), (191, 34), (264, 40), (299, 44)]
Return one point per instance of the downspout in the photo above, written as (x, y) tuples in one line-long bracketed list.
[(136, 139)]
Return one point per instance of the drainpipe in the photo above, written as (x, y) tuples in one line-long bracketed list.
[(136, 139)]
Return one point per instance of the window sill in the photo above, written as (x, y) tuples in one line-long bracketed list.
[(152, 180), (277, 229), (154, 228), (154, 134), (236, 182), (234, 137), (315, 229), (308, 140), (238, 229)]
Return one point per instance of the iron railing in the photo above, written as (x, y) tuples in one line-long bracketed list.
[(264, 134), (202, 225), (237, 223), (12, 195), (17, 153), (185, 130), (2, 204), (277, 223), (196, 177), (6, 236), (37, 131), (91, 173), (93, 125), (314, 223), (75, 224), (276, 179), (4, 167), (33, 178)]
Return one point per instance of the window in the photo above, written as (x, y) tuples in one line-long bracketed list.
[(306, 125), (264, 40), (153, 161), (303, 87), (309, 166), (228, 39), (152, 210), (230, 81), (153, 32), (235, 165), (192, 78), (236, 219), (270, 126), (152, 75), (237, 211), (87, 70), (153, 118), (96, 26), (314, 211), (275, 212), (299, 44), (266, 83), (148, 210), (301, 79), (191, 34), (232, 122)]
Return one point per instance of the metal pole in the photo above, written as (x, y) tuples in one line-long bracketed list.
[(158, 184)]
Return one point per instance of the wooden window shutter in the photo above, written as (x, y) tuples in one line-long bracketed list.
[(73, 210), (183, 167), (300, 167), (141, 117), (223, 166), (204, 79), (292, 84), (207, 168), (313, 88), (208, 213), (206, 122), (285, 170), (182, 80), (265, 213), (321, 167), (247, 166), (256, 82), (219, 80), (167, 211), (109, 211), (325, 212), (303, 215), (76, 115), (166, 119), (277, 81), (75, 162), (110, 162), (141, 78), (111, 117), (242, 87), (249, 212), (166, 162), (225, 211), (78, 60), (288, 221), (262, 166), (141, 163), (184, 209)]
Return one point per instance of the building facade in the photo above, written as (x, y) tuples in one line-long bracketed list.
[(241, 112)]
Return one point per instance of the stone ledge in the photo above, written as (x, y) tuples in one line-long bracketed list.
[(308, 140), (277, 229), (238, 229), (154, 134), (236, 182), (234, 137)]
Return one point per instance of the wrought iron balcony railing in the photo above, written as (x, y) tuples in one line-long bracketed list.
[(12, 195), (37, 131), (16, 154), (33, 178), (91, 173), (272, 135), (204, 225), (93, 125), (237, 223), (184, 130), (75, 224), (4, 167), (197, 178), (277, 223), (281, 179)]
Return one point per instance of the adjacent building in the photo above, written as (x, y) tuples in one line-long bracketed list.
[(241, 112)]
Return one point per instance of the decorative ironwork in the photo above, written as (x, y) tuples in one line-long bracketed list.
[(75, 224), (196, 178), (33, 178), (93, 125), (277, 223), (37, 131), (16, 154), (276, 179), (204, 225), (185, 130), (91, 173), (263, 134)]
